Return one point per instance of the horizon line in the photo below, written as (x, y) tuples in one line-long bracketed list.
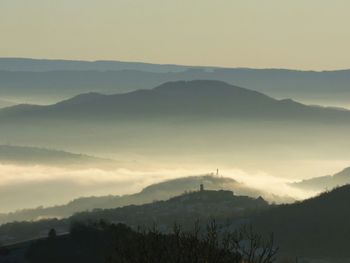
[(188, 66)]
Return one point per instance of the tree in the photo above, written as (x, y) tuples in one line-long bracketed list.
[(52, 233)]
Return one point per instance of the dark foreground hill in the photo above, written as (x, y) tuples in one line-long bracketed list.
[(117, 243), (325, 182), (318, 227)]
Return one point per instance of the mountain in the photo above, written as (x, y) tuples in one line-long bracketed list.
[(22, 155), (202, 121), (201, 99), (45, 81), (159, 191), (314, 228), (325, 182)]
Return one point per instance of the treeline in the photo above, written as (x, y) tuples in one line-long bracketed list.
[(117, 243)]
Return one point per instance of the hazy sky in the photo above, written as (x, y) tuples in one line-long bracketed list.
[(305, 34)]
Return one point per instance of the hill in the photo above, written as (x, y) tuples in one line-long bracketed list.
[(308, 229), (325, 182), (184, 209), (159, 191), (184, 99), (10, 154), (316, 228)]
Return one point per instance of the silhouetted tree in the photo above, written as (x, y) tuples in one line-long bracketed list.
[(52, 233)]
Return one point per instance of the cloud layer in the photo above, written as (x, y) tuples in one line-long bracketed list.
[(32, 186)]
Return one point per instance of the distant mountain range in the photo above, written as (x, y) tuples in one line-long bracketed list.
[(188, 118), (201, 99), (10, 154), (159, 191), (46, 81), (323, 183), (43, 65)]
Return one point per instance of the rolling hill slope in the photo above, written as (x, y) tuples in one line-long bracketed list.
[(184, 209), (325, 182)]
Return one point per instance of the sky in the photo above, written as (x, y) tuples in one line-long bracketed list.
[(298, 34)]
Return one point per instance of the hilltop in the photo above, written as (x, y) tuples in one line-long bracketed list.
[(183, 209), (159, 191)]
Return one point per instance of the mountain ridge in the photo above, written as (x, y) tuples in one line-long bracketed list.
[(43, 87), (46, 61), (181, 98), (42, 65)]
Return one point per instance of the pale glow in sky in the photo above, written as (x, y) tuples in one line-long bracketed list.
[(303, 34)]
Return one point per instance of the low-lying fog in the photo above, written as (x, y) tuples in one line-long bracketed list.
[(262, 155), (36, 185)]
